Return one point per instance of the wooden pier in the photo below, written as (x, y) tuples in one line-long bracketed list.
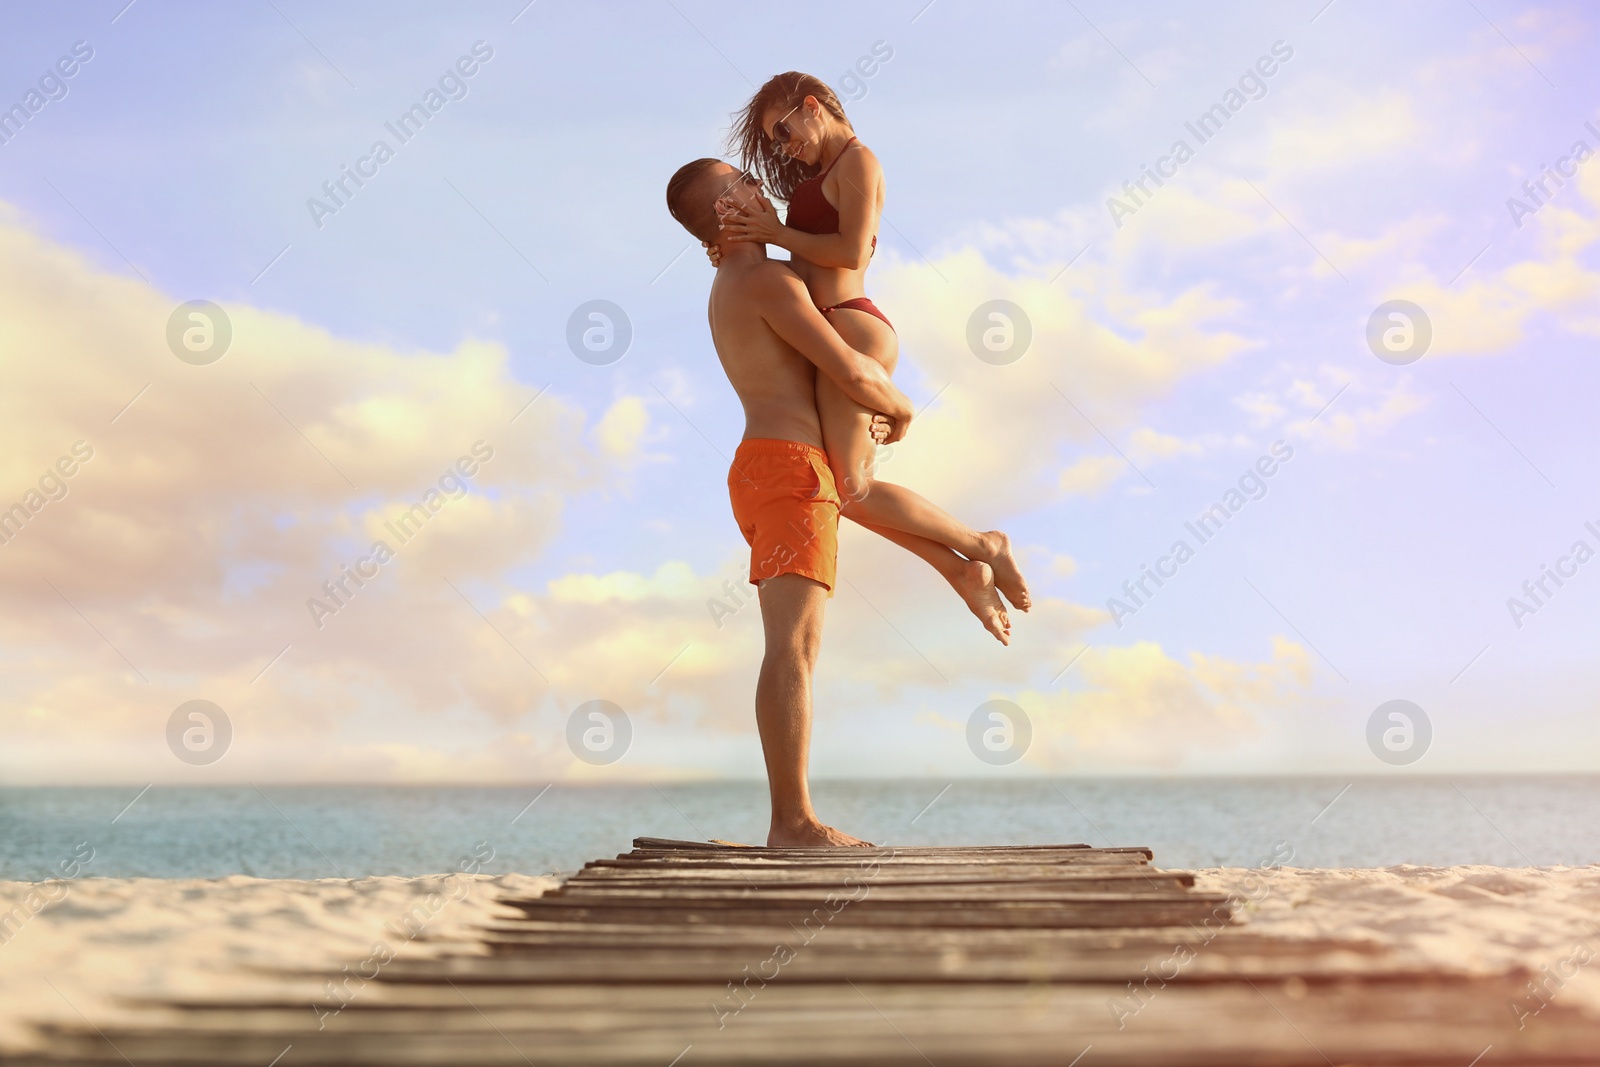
[(681, 953)]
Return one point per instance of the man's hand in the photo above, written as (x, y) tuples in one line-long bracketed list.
[(787, 308), (886, 430)]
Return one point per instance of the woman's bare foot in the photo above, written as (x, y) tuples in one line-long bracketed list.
[(812, 835), (975, 584), (1007, 576)]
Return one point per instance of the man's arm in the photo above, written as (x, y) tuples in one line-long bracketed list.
[(787, 308)]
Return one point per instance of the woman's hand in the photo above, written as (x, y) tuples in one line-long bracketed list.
[(759, 224), (713, 253)]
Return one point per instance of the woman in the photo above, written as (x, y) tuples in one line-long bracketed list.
[(794, 134)]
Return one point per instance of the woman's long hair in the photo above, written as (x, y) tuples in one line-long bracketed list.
[(776, 170)]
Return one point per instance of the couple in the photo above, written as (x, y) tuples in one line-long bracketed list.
[(810, 357)]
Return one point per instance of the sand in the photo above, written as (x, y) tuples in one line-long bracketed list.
[(110, 937), (1471, 919)]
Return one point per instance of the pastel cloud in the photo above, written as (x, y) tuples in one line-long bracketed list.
[(995, 440), (218, 501), (1138, 707), (623, 426), (1489, 312)]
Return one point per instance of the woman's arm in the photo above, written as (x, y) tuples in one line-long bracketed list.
[(859, 175)]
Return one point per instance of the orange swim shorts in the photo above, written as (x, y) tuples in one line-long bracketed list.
[(787, 507)]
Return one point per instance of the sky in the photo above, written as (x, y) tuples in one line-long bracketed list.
[(405, 341)]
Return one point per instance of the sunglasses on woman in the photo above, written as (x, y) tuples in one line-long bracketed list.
[(782, 132)]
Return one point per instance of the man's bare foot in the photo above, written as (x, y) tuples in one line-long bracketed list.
[(812, 835), (1007, 575), (975, 584)]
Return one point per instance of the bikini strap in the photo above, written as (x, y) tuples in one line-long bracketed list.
[(847, 146)]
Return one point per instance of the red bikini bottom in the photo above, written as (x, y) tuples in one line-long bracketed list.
[(861, 303)]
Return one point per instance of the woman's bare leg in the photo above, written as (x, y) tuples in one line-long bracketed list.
[(972, 579), (851, 454), (884, 505)]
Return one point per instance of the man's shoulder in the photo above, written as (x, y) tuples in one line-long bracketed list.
[(771, 279), (773, 272)]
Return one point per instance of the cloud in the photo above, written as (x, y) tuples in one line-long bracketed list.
[(1146, 448), (1343, 130), (621, 428), (1155, 445), (1488, 312), (1136, 707), (669, 645), (217, 500), (1063, 565), (1263, 408), (997, 438), (1092, 474), (1347, 423)]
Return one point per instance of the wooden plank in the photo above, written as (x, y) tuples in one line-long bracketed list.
[(629, 965), (975, 874), (1431, 1023), (1113, 911), (906, 899), (754, 862), (664, 843), (781, 895), (419, 983), (1063, 941), (982, 851), (959, 888)]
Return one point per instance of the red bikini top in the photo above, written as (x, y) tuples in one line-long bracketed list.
[(809, 210)]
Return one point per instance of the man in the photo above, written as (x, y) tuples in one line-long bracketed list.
[(772, 343)]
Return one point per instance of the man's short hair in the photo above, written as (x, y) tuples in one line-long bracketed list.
[(690, 200)]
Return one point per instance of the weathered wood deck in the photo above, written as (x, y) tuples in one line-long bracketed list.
[(681, 953)]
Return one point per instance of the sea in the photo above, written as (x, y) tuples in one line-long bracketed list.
[(352, 831)]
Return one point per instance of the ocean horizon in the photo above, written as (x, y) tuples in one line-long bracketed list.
[(310, 831)]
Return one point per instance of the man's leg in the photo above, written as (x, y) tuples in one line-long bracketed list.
[(791, 615)]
